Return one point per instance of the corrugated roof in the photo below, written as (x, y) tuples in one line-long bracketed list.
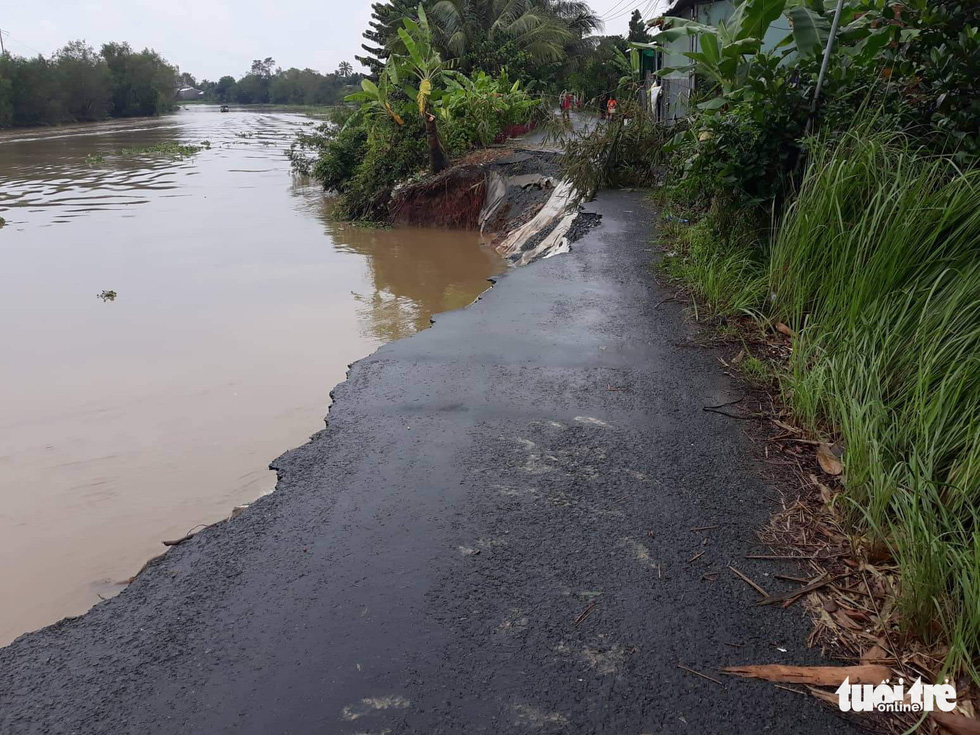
[(679, 6)]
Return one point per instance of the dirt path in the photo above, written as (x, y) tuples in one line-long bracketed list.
[(493, 535)]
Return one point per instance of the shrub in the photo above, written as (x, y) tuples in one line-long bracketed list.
[(398, 125), (392, 154), (936, 72), (474, 111)]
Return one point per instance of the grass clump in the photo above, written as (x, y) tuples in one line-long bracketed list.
[(723, 269)]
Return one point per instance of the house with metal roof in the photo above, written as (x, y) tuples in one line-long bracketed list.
[(670, 98), (185, 94)]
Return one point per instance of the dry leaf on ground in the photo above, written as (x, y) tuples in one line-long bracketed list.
[(828, 460), (875, 654), (825, 676), (957, 724)]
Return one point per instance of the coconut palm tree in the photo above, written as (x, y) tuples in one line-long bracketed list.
[(543, 29)]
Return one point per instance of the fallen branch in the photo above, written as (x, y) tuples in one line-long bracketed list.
[(793, 595), (698, 673), (749, 582), (749, 417), (186, 537), (585, 613), (796, 557), (725, 405)]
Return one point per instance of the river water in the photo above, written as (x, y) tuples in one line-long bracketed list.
[(239, 305)]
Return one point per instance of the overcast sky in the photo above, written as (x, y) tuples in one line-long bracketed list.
[(210, 38)]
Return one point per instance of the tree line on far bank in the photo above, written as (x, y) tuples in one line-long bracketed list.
[(80, 84), (266, 84)]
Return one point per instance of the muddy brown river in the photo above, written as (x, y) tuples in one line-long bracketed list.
[(239, 304)]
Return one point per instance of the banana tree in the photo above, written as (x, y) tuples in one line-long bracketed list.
[(374, 99), (421, 74), (417, 70), (484, 103)]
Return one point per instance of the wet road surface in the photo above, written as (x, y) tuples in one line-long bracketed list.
[(492, 535)]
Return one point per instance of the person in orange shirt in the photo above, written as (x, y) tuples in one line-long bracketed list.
[(611, 106)]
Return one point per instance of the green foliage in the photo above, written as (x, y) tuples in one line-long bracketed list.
[(872, 257), (722, 264), (361, 160), (475, 110), (540, 29), (629, 151), (916, 63), (546, 41), (637, 29), (415, 103), (382, 32), (501, 56), (140, 83), (223, 89), (79, 85), (84, 83), (332, 152), (412, 79), (878, 266), (748, 152), (393, 154), (936, 72), (600, 71), (6, 100), (173, 151), (295, 87)]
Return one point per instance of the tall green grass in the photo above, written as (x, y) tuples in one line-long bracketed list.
[(876, 266), (724, 271)]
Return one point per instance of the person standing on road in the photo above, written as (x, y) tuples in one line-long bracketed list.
[(566, 106), (611, 106)]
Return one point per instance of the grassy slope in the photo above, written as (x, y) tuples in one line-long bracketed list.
[(876, 267)]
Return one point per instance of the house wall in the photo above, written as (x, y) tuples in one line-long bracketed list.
[(679, 86)]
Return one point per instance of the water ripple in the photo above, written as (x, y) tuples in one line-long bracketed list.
[(69, 171)]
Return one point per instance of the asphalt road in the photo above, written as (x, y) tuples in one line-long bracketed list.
[(492, 535)]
